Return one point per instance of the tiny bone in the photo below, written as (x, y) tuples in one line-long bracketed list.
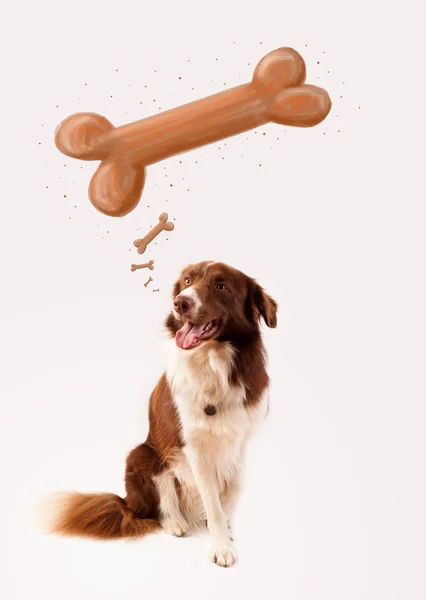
[(163, 224), (149, 265)]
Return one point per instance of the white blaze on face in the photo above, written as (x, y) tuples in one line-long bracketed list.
[(191, 293)]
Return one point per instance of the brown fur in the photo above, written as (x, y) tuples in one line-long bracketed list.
[(239, 307), (100, 516)]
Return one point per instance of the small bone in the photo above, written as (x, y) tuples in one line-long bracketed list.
[(149, 265), (141, 244), (276, 93), (157, 290), (146, 282)]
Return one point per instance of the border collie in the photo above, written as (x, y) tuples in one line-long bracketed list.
[(201, 414)]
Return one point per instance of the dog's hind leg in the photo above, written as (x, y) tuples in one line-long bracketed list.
[(142, 497), (171, 518)]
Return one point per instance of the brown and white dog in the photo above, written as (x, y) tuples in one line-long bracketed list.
[(201, 414)]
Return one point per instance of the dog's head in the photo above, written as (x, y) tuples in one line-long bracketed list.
[(212, 301)]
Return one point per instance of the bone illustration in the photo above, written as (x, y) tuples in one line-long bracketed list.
[(149, 265), (276, 93), (157, 290), (162, 224), (148, 281)]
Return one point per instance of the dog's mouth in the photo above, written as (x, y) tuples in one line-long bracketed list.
[(192, 334)]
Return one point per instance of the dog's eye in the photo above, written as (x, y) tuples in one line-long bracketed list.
[(221, 287), (187, 281)]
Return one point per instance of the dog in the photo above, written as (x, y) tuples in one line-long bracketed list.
[(202, 412)]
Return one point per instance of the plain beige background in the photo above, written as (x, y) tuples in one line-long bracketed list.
[(333, 225)]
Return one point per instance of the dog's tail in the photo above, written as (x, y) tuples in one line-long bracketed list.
[(99, 516)]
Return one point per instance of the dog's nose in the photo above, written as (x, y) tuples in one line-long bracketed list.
[(182, 304)]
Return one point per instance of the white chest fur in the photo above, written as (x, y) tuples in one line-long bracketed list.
[(198, 378)]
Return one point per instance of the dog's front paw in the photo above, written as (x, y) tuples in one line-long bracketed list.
[(223, 554), (178, 529)]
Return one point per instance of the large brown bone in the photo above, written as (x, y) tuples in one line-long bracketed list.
[(276, 93)]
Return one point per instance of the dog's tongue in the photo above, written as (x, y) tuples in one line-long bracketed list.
[(189, 335)]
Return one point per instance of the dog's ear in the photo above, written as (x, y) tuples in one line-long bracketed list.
[(260, 305)]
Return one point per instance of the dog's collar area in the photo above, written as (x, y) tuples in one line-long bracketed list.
[(210, 410)]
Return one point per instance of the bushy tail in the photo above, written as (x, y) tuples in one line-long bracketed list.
[(100, 516)]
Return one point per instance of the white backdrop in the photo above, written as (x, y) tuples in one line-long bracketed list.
[(332, 224)]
